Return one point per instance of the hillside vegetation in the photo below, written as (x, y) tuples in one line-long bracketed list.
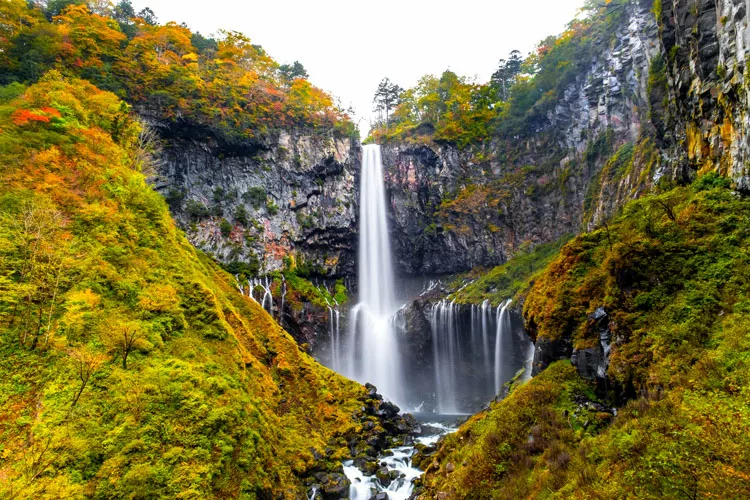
[(672, 274), (131, 367), (514, 104)]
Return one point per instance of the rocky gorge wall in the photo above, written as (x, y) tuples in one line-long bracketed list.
[(456, 209), (286, 203), (706, 46), (664, 97), (292, 196)]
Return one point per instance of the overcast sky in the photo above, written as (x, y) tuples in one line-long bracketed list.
[(347, 47)]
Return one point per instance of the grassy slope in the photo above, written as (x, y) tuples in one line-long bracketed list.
[(673, 272), (215, 400), (510, 280)]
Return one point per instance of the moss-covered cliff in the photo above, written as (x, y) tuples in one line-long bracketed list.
[(653, 309)]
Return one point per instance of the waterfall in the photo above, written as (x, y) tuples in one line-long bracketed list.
[(374, 355), (266, 301), (529, 364), (485, 311), (503, 326), (334, 323), (445, 353)]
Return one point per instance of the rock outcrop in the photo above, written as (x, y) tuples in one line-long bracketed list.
[(706, 46), (456, 209), (287, 202), (290, 197)]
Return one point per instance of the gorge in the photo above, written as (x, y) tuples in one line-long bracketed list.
[(534, 286)]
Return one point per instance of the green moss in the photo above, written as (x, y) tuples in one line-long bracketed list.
[(256, 196), (510, 280), (272, 207), (495, 453), (225, 227), (673, 274)]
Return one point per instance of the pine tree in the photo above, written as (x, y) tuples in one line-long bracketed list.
[(387, 97)]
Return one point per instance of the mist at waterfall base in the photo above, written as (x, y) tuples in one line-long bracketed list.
[(454, 361)]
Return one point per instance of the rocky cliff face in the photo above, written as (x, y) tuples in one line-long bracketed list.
[(664, 97), (699, 113), (289, 202), (706, 46), (454, 210), (290, 197)]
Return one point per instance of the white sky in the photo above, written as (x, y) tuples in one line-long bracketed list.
[(347, 47)]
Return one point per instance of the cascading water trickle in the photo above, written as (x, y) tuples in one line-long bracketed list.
[(374, 356), (485, 313), (446, 351), (334, 322), (503, 329)]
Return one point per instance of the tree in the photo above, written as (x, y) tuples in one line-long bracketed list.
[(387, 97), (506, 74), (124, 13), (292, 71), (39, 263), (86, 362), (128, 336), (148, 16), (204, 45), (55, 7)]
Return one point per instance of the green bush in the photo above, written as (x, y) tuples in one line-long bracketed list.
[(225, 227), (196, 209), (255, 196)]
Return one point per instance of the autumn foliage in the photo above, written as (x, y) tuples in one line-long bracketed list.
[(131, 367), (229, 86)]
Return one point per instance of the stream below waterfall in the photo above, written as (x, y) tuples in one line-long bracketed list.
[(396, 474)]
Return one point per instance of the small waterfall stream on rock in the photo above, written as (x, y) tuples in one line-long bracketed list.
[(503, 329)]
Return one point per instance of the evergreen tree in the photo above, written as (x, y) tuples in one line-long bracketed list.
[(292, 71), (506, 74), (387, 97)]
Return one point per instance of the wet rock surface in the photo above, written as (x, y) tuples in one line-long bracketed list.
[(705, 47), (383, 427), (592, 362)]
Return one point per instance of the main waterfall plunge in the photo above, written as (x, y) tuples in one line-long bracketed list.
[(373, 351), (452, 359)]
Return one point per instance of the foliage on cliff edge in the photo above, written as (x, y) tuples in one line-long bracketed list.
[(228, 86)]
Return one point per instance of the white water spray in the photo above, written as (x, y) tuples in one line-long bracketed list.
[(445, 351)]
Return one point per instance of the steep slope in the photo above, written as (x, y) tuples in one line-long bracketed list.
[(258, 165), (656, 308), (131, 366)]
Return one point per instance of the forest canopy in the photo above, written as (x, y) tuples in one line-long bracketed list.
[(225, 84)]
